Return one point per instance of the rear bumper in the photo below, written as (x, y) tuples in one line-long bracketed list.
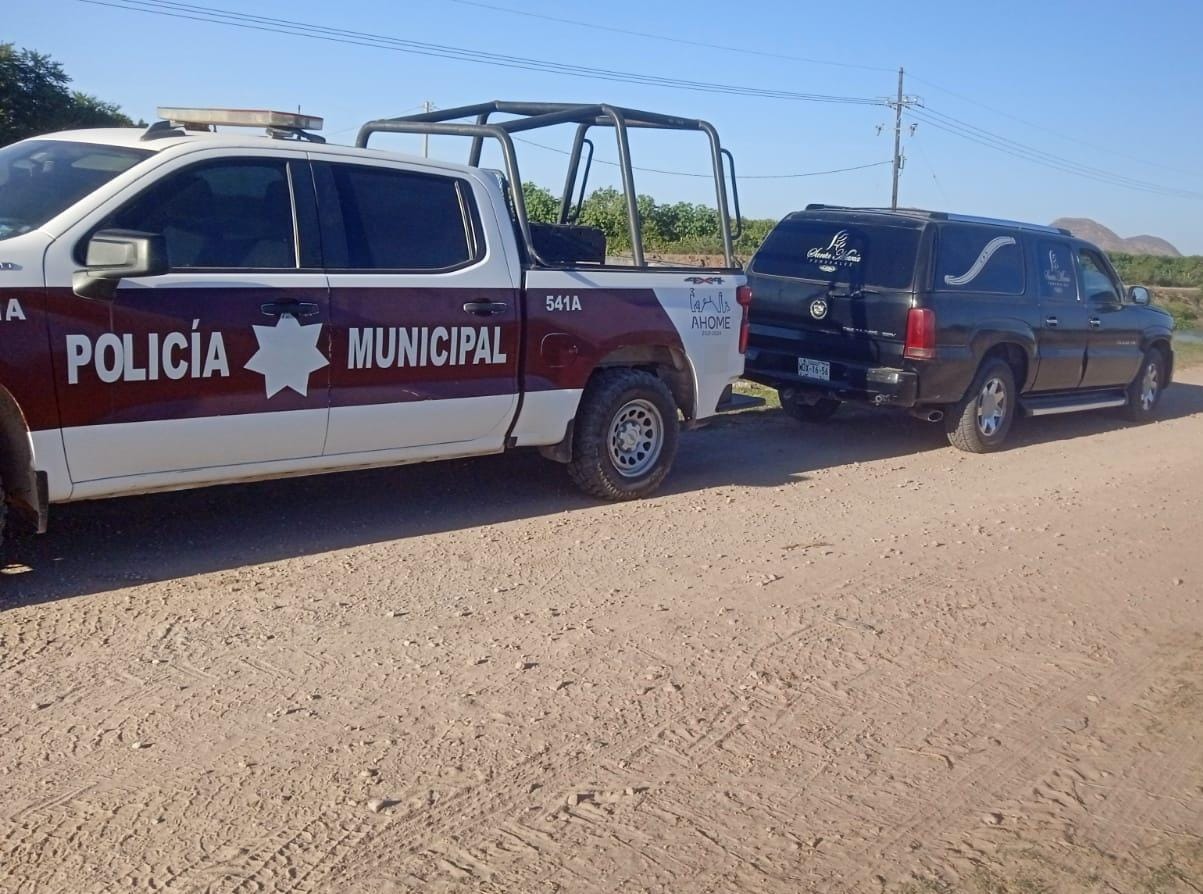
[(877, 385)]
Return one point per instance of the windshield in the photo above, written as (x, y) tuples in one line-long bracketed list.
[(837, 253), (40, 178)]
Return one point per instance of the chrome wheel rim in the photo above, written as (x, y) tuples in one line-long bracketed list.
[(636, 438), (1149, 386), (991, 406)]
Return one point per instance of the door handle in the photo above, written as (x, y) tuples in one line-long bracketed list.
[(293, 308), (1051, 322), (1096, 323), (485, 308)]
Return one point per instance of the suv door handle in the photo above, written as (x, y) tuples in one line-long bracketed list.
[(485, 308), (1051, 322), (1096, 323), (293, 308)]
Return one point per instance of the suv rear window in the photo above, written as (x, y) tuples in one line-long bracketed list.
[(833, 252), (979, 259)]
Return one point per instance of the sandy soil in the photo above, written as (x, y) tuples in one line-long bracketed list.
[(842, 659)]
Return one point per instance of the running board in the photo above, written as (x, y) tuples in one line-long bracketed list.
[(1071, 403)]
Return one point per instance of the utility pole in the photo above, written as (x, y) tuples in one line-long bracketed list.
[(427, 107), (897, 142), (902, 102)]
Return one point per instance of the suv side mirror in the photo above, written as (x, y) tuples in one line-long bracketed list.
[(112, 255), (1139, 295)]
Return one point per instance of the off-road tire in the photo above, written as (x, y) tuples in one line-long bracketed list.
[(618, 403), (820, 411), (1142, 406), (964, 423)]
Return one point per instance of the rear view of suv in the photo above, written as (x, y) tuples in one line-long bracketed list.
[(961, 319)]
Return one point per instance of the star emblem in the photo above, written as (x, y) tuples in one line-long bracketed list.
[(287, 355)]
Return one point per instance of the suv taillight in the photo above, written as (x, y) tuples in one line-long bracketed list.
[(743, 297), (920, 334)]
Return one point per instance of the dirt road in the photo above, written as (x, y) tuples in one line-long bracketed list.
[(846, 660)]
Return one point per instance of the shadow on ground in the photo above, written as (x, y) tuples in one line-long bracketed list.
[(97, 546)]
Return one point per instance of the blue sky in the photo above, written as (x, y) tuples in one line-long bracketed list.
[(1110, 85)]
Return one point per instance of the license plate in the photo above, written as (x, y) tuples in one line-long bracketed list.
[(814, 369)]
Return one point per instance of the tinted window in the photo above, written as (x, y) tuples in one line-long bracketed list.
[(383, 219), (833, 252), (1097, 284), (224, 215), (1055, 266), (40, 178), (978, 259)]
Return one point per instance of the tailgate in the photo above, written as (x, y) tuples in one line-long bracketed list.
[(815, 321), (834, 289)]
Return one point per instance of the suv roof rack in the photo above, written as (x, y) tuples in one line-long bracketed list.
[(944, 215), (534, 115)]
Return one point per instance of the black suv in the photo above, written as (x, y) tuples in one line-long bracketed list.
[(961, 319)]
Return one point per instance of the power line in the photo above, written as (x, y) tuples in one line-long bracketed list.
[(213, 15), (594, 26), (709, 176), (974, 134), (1108, 149), (810, 60), (1060, 161), (918, 144)]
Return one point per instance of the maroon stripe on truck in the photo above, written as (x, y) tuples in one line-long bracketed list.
[(565, 346), (177, 353)]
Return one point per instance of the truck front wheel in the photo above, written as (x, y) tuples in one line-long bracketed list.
[(626, 435)]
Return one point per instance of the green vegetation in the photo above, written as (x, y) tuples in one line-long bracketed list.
[(676, 228), (1154, 270), (1187, 353), (1186, 305), (34, 98), (687, 228)]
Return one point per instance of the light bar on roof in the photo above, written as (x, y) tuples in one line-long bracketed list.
[(240, 118)]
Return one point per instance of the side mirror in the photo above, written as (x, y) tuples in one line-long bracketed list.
[(113, 255), (1139, 295)]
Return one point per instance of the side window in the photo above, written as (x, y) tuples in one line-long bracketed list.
[(376, 218), (978, 259), (218, 215), (1055, 266), (1097, 284)]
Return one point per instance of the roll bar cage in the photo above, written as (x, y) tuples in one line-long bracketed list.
[(535, 115)]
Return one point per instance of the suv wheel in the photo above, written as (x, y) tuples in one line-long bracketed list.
[(820, 411), (981, 421), (625, 437), (1145, 391)]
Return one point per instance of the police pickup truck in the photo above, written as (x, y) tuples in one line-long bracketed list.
[(187, 305)]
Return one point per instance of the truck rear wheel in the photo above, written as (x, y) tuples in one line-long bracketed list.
[(626, 434), (981, 421)]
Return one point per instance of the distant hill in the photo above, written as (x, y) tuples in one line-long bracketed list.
[(1107, 240)]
